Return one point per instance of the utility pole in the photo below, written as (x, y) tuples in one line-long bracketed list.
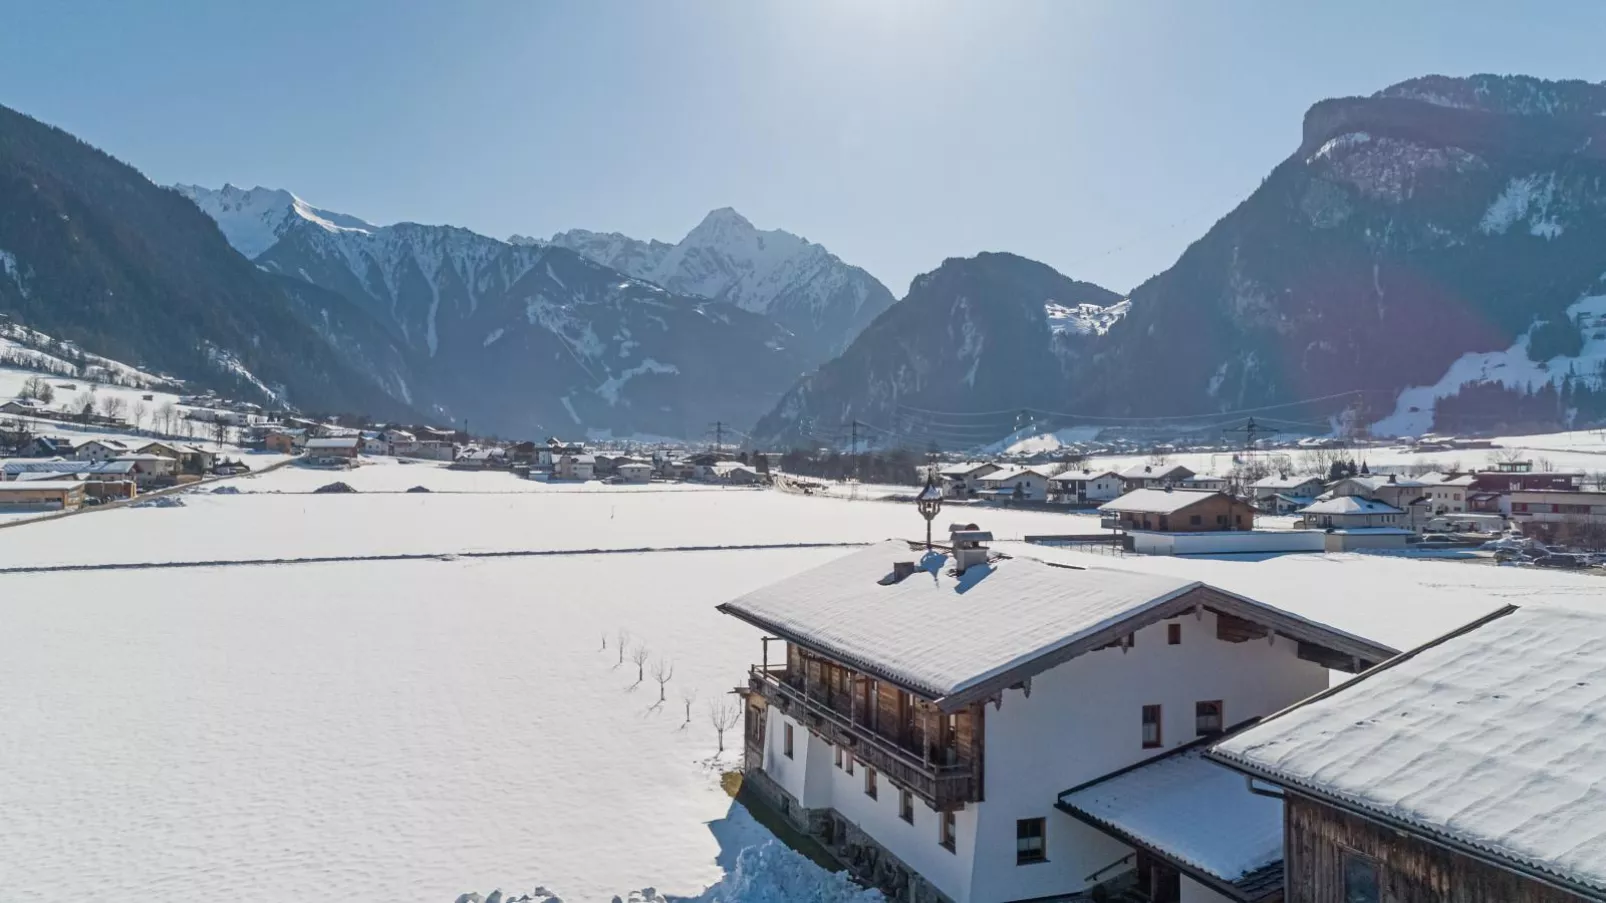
[(719, 436), (1250, 429), (854, 448)]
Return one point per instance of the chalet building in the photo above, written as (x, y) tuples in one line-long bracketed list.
[(334, 450), (49, 447), (147, 470), (1468, 769), (554, 450), (23, 407), (1351, 511), (54, 494), (1084, 487), (1448, 493), (281, 441), (1153, 476), (1026, 484), (929, 711), (98, 450), (190, 459), (1557, 506), (1511, 476), (634, 472), (1207, 482), (1390, 489), (1177, 511), (1295, 486), (575, 467), (963, 481)]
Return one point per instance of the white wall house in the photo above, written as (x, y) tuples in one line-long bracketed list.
[(1447, 494), (924, 722), (1153, 476), (1296, 486), (1028, 484), (1352, 511), (963, 481), (1081, 487), (101, 450), (575, 467)]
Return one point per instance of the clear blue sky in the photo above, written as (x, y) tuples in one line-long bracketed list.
[(1098, 137)]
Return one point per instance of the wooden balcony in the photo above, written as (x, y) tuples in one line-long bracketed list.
[(943, 787)]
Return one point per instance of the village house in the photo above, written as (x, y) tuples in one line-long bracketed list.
[(1447, 493), (49, 447), (112, 479), (1511, 476), (192, 459), (1465, 770), (1177, 510), (284, 442), (1298, 487), (1557, 506), (1084, 487), (1026, 484), (23, 407), (57, 494), (963, 481), (1350, 512), (398, 442), (575, 467), (931, 708), (373, 443), (333, 450), (1153, 476), (98, 450), (736, 473), (547, 458), (634, 472), (1208, 482), (1390, 489), (147, 469), (676, 469)]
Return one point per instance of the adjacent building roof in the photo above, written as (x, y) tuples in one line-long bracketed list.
[(1193, 811), (1487, 740), (1154, 472), (955, 639), (1289, 482), (1078, 475), (31, 485), (1158, 501), (1350, 504), (966, 469), (1013, 473), (334, 442)]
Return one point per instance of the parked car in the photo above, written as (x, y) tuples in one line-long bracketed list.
[(1560, 560)]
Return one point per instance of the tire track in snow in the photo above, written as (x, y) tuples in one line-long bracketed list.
[(415, 556)]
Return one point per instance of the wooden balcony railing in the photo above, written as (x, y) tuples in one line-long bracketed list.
[(943, 787)]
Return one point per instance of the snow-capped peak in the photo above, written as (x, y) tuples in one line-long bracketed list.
[(254, 219)]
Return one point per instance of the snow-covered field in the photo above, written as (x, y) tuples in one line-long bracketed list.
[(430, 727)]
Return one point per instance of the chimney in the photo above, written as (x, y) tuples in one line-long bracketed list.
[(902, 570), (1393, 478), (969, 546)]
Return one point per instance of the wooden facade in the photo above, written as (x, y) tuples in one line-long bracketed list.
[(1318, 838), (936, 756)]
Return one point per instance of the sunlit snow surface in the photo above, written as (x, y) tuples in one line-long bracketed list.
[(314, 731)]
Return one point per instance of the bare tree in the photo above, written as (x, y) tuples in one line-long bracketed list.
[(1507, 455), (1598, 478), (688, 695), (605, 641), (662, 671), (165, 414), (38, 388), (138, 413), (619, 641), (639, 656), (723, 715), (1159, 459), (113, 405)]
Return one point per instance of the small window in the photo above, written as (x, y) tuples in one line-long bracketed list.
[(1151, 726), (1195, 520), (847, 763), (1173, 634), (838, 756), (786, 742), (1221, 519), (947, 832), (1029, 841), (1360, 878), (869, 782), (906, 806), (1207, 718)]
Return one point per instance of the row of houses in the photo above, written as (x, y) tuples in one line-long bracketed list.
[(1073, 486), (976, 725)]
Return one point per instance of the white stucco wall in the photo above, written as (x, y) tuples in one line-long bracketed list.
[(1083, 720), (1219, 542)]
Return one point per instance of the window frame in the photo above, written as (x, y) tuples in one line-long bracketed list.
[(948, 832), (1037, 854), (1173, 634), (906, 806), (1348, 855), (786, 740), (838, 750), (847, 762), (1220, 715), (1159, 726), (871, 790)]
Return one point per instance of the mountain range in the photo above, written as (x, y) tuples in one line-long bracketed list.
[(1430, 256)]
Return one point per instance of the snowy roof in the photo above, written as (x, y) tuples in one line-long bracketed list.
[(334, 442), (965, 470), (1151, 471), (1189, 808), (1084, 475), (39, 484), (958, 638), (1374, 482), (1489, 737), (1350, 504), (1013, 473), (1290, 482), (1158, 501)]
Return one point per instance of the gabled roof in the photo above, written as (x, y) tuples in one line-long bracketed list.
[(956, 639), (1487, 741), (1350, 504), (1192, 811), (15, 486), (1013, 473), (966, 469), (1158, 501), (1152, 471), (1290, 482), (334, 442), (1069, 475)]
